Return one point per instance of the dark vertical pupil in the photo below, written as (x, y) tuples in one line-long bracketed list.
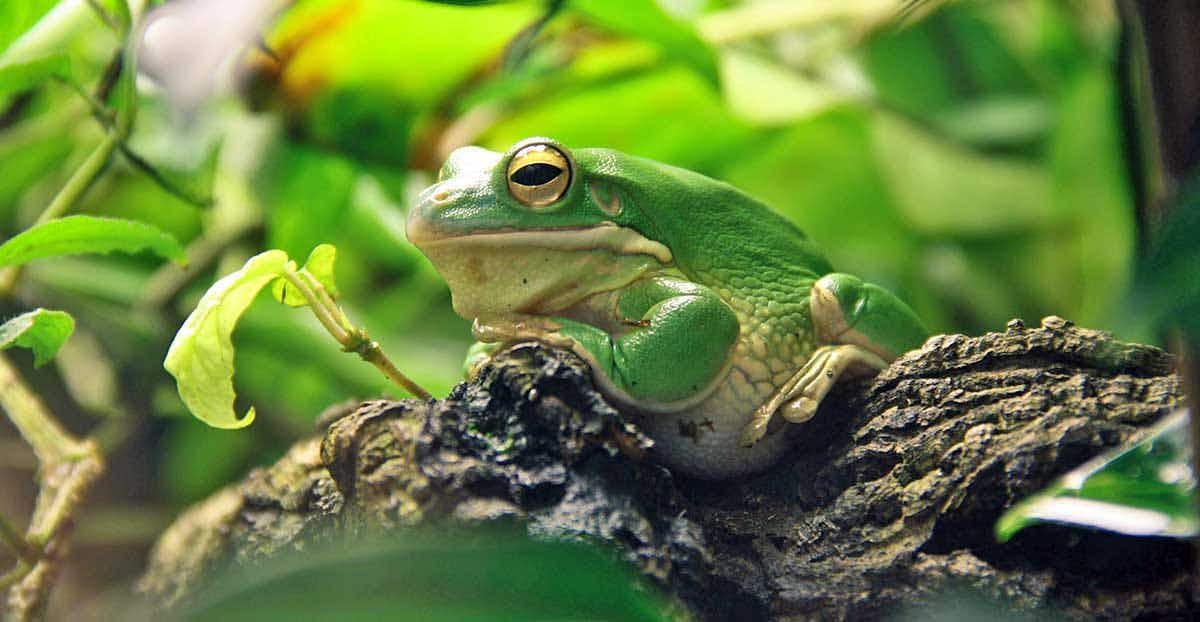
[(536, 174)]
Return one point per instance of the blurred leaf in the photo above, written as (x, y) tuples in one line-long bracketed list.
[(645, 19), (197, 460), (306, 193), (1091, 189), (201, 356), (320, 266), (1146, 489), (482, 575), (40, 330), (48, 36), (20, 76), (943, 188), (1001, 121), (17, 17), (633, 109), (762, 91), (75, 235)]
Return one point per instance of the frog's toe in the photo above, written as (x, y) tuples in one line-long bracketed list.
[(800, 409)]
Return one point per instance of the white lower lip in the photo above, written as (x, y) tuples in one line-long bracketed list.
[(606, 235)]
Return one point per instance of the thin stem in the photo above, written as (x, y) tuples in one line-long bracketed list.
[(49, 441), (318, 307), (352, 339), (105, 16), (163, 182), (16, 574)]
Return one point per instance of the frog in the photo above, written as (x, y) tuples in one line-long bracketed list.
[(703, 314)]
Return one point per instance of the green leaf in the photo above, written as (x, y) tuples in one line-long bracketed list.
[(76, 235), (40, 330), (53, 31), (201, 356), (435, 577), (646, 20), (1147, 489), (20, 76), (320, 266)]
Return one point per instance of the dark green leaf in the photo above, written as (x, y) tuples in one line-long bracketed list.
[(40, 330), (646, 20), (76, 235), (1147, 489), (490, 576)]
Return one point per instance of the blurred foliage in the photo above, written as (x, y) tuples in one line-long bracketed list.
[(963, 154), (434, 577)]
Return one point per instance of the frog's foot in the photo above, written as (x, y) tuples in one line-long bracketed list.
[(797, 400), (519, 328)]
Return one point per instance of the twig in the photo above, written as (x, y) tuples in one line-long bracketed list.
[(68, 469), (352, 339)]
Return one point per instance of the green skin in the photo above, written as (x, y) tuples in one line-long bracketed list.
[(699, 308)]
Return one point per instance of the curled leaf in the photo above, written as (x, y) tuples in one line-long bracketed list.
[(41, 330), (201, 356)]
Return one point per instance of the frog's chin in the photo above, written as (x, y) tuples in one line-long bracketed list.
[(498, 274)]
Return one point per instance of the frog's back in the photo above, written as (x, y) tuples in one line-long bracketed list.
[(719, 235)]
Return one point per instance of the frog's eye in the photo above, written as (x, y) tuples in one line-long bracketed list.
[(538, 175)]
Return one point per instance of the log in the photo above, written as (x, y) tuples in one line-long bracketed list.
[(886, 503)]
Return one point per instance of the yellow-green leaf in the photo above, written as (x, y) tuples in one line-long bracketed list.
[(201, 356)]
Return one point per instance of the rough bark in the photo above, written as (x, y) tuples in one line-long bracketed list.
[(886, 502)]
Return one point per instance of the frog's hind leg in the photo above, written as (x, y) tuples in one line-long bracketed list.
[(865, 327)]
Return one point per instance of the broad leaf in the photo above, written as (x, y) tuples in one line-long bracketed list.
[(646, 20), (40, 330), (201, 356), (434, 577), (1147, 489), (320, 266), (75, 235)]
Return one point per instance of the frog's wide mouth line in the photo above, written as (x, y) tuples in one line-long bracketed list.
[(605, 236)]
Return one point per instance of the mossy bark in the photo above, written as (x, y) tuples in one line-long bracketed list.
[(887, 501)]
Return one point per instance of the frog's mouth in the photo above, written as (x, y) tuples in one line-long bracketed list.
[(539, 271)]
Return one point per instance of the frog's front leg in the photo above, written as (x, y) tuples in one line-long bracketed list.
[(865, 327), (676, 338)]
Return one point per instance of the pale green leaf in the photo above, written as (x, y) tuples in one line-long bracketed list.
[(40, 330), (201, 356), (319, 266), (646, 20), (1146, 489), (75, 235), (54, 30)]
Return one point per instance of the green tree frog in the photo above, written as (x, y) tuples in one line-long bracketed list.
[(699, 309)]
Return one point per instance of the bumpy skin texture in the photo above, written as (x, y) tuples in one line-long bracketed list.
[(693, 302)]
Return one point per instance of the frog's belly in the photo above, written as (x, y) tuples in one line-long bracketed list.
[(704, 441)]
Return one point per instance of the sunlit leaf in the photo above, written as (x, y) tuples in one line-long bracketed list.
[(53, 31), (645, 19), (320, 266), (76, 235), (201, 356), (1147, 489), (489, 575), (765, 92), (40, 330)]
